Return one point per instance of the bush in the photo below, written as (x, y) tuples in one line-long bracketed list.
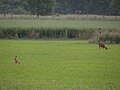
[(110, 39), (108, 36), (45, 33)]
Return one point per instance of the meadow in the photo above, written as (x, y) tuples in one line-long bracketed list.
[(55, 24), (62, 17), (58, 65)]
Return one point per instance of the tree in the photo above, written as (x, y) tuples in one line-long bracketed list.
[(116, 6), (10, 6), (63, 6), (41, 7), (83, 6), (48, 7)]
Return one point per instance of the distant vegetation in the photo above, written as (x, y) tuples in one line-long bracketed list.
[(60, 19), (74, 17), (50, 7), (62, 27)]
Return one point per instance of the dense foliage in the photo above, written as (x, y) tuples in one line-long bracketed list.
[(48, 7), (61, 33), (41, 7), (45, 33)]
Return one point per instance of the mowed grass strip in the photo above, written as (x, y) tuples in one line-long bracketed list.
[(58, 65), (53, 24)]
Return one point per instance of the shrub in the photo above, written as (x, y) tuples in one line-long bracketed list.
[(45, 33), (108, 36), (110, 39)]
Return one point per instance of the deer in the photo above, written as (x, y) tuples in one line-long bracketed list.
[(102, 45), (16, 60)]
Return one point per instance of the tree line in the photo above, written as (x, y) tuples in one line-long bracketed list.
[(49, 7)]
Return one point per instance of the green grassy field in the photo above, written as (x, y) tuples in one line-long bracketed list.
[(58, 65), (20, 23)]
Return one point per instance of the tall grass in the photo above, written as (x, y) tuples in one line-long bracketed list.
[(59, 24), (62, 17), (58, 65)]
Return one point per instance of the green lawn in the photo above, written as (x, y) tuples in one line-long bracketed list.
[(20, 23), (58, 65)]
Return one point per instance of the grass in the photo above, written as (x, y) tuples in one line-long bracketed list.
[(58, 65), (19, 23), (63, 17)]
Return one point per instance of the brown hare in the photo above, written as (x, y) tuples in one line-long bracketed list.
[(16, 60)]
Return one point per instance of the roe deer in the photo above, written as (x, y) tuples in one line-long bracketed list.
[(102, 45)]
